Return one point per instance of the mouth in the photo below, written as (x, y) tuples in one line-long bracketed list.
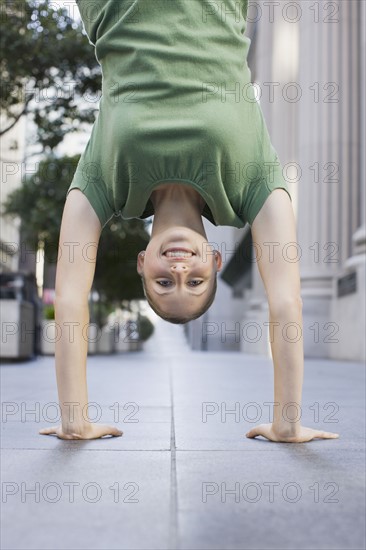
[(178, 253)]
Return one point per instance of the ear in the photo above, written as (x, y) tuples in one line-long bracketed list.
[(218, 260), (140, 262)]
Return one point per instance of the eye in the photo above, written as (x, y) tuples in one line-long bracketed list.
[(162, 283), (196, 282), (166, 282)]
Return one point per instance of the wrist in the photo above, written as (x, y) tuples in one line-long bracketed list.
[(81, 428), (74, 416), (286, 430)]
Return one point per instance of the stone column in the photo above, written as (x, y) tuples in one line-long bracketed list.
[(349, 309), (329, 191), (274, 67), (318, 158)]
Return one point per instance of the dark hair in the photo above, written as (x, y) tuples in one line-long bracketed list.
[(180, 319)]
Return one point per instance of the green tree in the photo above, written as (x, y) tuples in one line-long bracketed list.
[(48, 69), (49, 72), (39, 202)]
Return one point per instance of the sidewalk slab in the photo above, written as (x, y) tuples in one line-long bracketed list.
[(298, 497), (119, 500), (219, 397), (122, 378), (47, 413), (142, 436)]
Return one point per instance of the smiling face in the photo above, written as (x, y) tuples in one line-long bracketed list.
[(179, 268)]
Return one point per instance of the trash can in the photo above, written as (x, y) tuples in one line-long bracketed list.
[(19, 305)]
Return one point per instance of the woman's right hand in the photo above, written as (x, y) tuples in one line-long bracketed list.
[(91, 431)]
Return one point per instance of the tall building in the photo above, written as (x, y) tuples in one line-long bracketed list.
[(308, 62)]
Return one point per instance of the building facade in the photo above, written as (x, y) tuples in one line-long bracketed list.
[(308, 62)]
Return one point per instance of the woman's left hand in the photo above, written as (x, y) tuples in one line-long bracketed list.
[(301, 436)]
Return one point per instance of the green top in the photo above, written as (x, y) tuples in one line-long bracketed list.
[(177, 105)]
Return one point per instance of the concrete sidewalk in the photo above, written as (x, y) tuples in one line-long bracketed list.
[(183, 475)]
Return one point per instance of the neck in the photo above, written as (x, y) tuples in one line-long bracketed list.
[(177, 205)]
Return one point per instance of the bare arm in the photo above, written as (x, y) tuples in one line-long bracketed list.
[(79, 237), (272, 229)]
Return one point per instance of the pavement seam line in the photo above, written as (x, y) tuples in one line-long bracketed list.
[(173, 524)]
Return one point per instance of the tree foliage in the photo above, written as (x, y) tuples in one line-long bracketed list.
[(48, 69), (49, 72), (39, 202)]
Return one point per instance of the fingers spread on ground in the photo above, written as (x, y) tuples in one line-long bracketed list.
[(47, 431), (254, 432)]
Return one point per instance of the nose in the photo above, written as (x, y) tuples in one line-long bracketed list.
[(178, 267)]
